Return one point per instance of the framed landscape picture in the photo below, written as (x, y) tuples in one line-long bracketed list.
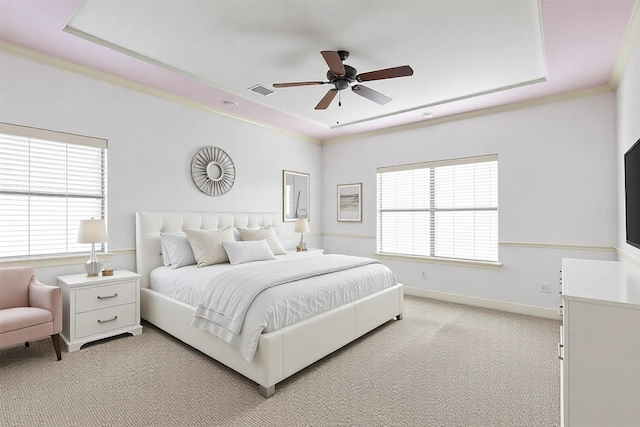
[(350, 202)]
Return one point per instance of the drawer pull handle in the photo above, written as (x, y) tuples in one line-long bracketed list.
[(560, 355), (108, 320), (110, 296)]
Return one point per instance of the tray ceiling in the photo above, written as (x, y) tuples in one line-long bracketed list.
[(466, 55)]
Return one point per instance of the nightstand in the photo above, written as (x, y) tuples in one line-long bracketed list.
[(310, 251), (315, 251), (99, 307)]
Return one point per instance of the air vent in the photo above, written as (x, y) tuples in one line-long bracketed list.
[(264, 91)]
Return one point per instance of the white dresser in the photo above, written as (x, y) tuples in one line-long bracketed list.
[(94, 308), (600, 344)]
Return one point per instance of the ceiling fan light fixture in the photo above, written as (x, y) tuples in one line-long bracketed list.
[(342, 84), (341, 76)]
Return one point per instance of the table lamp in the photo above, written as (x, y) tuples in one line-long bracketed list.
[(92, 231), (302, 226)]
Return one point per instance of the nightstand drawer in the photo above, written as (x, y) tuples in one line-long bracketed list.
[(105, 296), (107, 319)]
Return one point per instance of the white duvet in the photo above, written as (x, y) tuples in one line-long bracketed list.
[(277, 306)]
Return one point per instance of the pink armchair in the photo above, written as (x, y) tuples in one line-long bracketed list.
[(29, 310)]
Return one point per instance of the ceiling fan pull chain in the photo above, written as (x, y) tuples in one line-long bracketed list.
[(339, 99)]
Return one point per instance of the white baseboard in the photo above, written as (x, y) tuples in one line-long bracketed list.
[(510, 307)]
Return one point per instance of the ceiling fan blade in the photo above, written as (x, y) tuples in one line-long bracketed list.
[(371, 94), (292, 84), (324, 102), (387, 73), (334, 62)]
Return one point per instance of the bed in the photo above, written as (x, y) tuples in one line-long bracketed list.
[(279, 353)]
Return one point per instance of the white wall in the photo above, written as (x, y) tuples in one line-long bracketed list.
[(557, 173), (151, 145), (628, 107), (557, 186)]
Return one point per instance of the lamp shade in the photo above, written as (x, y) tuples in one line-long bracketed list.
[(302, 226), (92, 231)]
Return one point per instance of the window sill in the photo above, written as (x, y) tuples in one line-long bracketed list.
[(53, 260), (446, 261)]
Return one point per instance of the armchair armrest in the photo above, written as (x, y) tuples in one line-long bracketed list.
[(49, 298)]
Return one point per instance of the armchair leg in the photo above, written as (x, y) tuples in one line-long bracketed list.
[(26, 344), (56, 344)]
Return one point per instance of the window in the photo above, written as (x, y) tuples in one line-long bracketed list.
[(49, 181), (446, 209)]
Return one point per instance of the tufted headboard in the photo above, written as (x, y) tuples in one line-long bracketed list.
[(149, 225)]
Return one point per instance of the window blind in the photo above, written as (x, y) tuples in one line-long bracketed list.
[(445, 209), (46, 188)]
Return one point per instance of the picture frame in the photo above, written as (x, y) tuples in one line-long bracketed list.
[(350, 202), (295, 195)]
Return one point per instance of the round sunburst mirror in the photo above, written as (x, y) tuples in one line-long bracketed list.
[(213, 171)]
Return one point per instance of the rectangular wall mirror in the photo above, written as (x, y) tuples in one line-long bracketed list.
[(295, 195)]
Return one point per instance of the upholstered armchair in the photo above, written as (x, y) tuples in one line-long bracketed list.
[(29, 310)]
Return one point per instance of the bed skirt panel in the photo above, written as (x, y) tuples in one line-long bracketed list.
[(374, 310), (176, 316), (306, 342), (282, 353)]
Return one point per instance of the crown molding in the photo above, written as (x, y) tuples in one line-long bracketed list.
[(66, 65), (627, 48), (551, 99)]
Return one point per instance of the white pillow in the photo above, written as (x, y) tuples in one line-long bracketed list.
[(241, 252), (166, 260), (267, 233), (207, 245), (178, 249)]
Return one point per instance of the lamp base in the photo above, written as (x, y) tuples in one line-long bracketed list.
[(93, 268)]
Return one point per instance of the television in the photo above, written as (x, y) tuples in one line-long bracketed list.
[(632, 193)]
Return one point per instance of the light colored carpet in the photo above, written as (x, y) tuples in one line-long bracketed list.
[(442, 365)]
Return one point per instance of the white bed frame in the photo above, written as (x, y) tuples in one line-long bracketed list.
[(280, 354)]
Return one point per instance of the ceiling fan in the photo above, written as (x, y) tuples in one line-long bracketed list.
[(342, 76)]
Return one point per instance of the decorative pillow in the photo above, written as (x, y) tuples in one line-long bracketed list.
[(207, 245), (267, 233), (236, 235), (178, 249), (241, 252), (166, 260)]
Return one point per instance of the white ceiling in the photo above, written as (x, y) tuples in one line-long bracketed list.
[(457, 49)]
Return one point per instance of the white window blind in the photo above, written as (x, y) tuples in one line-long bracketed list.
[(46, 188), (445, 209)]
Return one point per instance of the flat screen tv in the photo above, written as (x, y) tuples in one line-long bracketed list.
[(632, 193)]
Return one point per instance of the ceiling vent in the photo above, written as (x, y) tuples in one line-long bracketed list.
[(262, 90)]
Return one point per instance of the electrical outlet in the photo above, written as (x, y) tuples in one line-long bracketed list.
[(545, 288), (423, 274)]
